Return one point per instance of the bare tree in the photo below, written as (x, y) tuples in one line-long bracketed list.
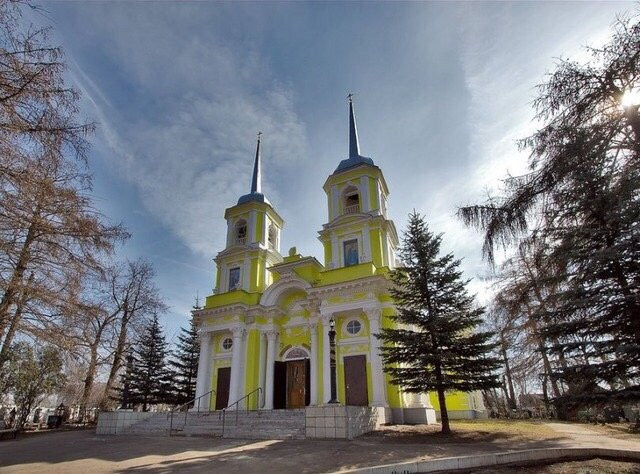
[(136, 297)]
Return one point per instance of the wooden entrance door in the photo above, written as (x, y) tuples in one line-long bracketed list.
[(222, 387), (296, 381), (355, 380)]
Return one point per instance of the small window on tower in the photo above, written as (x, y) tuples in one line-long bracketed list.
[(351, 200), (241, 232), (350, 253), (273, 237), (234, 279)]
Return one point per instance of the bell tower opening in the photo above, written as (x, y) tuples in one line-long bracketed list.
[(241, 232), (351, 200)]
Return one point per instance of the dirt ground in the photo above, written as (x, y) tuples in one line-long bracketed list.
[(593, 466), (84, 451)]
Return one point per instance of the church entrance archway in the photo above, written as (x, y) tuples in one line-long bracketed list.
[(292, 380)]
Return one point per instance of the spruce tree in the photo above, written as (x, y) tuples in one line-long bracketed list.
[(436, 345), (580, 201), (150, 378), (185, 364)]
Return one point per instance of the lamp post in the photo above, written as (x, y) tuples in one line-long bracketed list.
[(332, 359)]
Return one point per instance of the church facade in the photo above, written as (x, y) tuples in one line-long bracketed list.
[(265, 330)]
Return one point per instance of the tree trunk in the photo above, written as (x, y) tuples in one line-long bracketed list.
[(89, 379), (13, 328), (12, 288), (117, 357), (512, 394), (442, 400)]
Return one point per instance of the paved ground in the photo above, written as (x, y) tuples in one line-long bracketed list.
[(83, 451)]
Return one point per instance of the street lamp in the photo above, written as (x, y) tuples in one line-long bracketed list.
[(332, 359)]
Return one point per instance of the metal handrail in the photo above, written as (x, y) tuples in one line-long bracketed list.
[(186, 412), (224, 410)]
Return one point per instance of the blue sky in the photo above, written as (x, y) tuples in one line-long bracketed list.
[(442, 91)]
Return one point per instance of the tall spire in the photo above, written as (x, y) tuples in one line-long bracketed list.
[(355, 158), (256, 182), (354, 146)]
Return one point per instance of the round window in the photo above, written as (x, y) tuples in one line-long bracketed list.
[(227, 343), (354, 327)]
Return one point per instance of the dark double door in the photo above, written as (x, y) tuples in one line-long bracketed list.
[(292, 384)]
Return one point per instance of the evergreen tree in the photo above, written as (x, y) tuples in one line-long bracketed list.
[(580, 203), (149, 378), (185, 364), (436, 346)]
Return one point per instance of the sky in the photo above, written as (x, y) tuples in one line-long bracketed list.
[(442, 92)]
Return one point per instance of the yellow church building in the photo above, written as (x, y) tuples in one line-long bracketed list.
[(265, 329)]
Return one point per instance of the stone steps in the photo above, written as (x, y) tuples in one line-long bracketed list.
[(261, 424)]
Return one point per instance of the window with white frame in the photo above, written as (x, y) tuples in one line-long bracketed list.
[(234, 278), (354, 327), (227, 344), (350, 252)]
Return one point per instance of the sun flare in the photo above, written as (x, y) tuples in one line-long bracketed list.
[(631, 97)]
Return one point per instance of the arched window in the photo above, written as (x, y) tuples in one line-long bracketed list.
[(351, 200), (273, 237), (241, 232), (296, 353)]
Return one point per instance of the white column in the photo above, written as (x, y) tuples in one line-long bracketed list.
[(366, 245), (377, 375), (203, 381), (335, 251), (326, 368), (365, 202), (271, 358), (313, 330), (236, 365)]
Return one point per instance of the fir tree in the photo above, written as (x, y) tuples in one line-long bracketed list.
[(580, 203), (150, 379), (436, 346), (185, 364)]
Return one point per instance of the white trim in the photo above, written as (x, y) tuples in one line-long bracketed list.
[(353, 341), (271, 294), (285, 358)]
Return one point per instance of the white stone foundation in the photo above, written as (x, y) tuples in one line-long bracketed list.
[(115, 422), (343, 422)]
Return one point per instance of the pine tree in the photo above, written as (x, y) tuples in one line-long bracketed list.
[(150, 380), (185, 364), (580, 201), (436, 346)]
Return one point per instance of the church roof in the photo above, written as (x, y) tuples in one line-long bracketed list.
[(256, 182), (355, 158)]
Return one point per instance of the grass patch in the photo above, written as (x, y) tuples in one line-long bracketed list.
[(524, 428), (617, 430), (471, 431)]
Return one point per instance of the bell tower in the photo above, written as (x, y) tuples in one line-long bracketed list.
[(358, 229), (253, 239)]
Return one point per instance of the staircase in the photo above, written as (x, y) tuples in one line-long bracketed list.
[(259, 424)]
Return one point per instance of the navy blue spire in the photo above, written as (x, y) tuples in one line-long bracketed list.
[(355, 158), (354, 146), (256, 182)]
